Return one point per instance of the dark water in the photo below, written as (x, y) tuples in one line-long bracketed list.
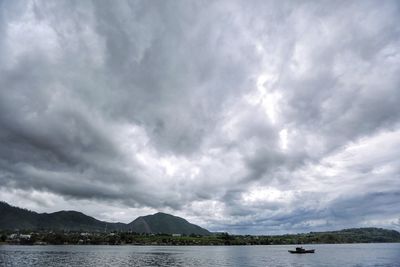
[(326, 255)]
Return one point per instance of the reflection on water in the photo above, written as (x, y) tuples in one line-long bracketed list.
[(326, 255)]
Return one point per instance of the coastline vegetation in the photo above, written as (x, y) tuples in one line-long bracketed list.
[(356, 235)]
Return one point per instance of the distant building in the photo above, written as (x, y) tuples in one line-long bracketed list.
[(176, 235), (13, 236)]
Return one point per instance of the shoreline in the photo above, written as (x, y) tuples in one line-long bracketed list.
[(169, 245)]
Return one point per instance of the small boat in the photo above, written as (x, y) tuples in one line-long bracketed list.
[(300, 250)]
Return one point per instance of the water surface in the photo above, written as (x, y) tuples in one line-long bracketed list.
[(359, 255)]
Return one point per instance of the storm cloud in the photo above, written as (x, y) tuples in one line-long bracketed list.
[(247, 117)]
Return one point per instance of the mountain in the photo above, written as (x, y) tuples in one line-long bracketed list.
[(165, 223), (16, 218), (355, 235), (12, 218)]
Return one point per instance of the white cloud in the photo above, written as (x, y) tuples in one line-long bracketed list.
[(246, 117)]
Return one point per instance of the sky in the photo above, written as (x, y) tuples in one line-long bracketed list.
[(252, 117)]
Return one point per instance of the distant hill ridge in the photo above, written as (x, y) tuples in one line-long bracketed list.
[(352, 235), (12, 218), (165, 223)]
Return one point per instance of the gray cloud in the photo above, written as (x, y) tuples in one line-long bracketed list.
[(249, 117)]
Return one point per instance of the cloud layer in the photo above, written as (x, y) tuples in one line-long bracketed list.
[(261, 117)]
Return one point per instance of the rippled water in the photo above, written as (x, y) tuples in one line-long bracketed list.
[(326, 255)]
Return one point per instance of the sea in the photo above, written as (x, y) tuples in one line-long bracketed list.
[(326, 255)]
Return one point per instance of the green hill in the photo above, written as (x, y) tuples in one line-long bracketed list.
[(165, 223), (355, 235), (12, 218)]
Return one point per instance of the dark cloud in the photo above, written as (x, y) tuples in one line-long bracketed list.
[(250, 117)]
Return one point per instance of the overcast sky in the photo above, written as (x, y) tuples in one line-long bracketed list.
[(240, 116)]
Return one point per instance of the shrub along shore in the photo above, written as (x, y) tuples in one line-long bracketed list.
[(358, 235)]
